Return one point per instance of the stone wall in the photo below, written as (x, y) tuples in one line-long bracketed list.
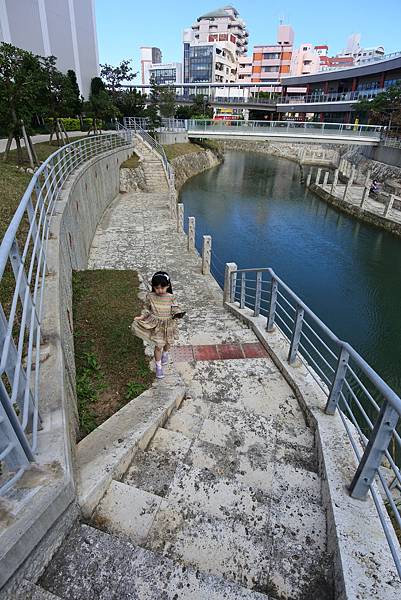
[(388, 175), (289, 150), (188, 165), (132, 180)]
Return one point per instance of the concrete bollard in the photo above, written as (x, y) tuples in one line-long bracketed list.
[(352, 174), (326, 178), (365, 193), (318, 176), (368, 176), (309, 178), (347, 191), (334, 184), (230, 282), (191, 234), (206, 254), (180, 218), (173, 205), (389, 205)]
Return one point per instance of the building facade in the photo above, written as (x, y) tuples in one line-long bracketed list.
[(166, 73), (63, 28), (212, 47), (149, 56), (305, 60), (271, 62)]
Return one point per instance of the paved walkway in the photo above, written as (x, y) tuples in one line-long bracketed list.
[(228, 487), (36, 139)]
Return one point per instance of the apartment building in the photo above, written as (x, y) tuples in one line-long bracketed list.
[(149, 56), (271, 62), (213, 46), (63, 28)]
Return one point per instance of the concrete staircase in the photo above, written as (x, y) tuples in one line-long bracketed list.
[(223, 503), (155, 175)]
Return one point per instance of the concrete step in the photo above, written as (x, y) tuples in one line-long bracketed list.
[(93, 564), (30, 591)]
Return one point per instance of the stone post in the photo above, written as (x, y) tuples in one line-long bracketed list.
[(173, 205), (191, 234), (326, 178), (334, 184), (389, 206), (365, 193), (352, 175), (229, 282), (347, 190), (180, 218), (308, 179), (367, 179), (206, 254), (318, 176)]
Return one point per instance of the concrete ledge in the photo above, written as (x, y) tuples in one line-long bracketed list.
[(363, 565), (106, 453), (357, 212)]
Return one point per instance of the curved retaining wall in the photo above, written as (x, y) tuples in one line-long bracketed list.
[(188, 165), (36, 521)]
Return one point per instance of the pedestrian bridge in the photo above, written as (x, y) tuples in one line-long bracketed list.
[(339, 133), (288, 131)]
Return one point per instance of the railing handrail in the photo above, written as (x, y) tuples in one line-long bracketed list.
[(382, 386), (20, 334)]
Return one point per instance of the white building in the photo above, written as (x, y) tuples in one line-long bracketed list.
[(63, 28), (359, 54), (213, 45), (165, 73), (149, 56)]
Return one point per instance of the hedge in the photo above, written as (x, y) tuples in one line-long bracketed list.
[(74, 124)]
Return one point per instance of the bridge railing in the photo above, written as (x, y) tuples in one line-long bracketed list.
[(290, 127), (23, 271), (369, 409)]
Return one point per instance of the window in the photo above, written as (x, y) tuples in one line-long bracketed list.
[(271, 55), (270, 69)]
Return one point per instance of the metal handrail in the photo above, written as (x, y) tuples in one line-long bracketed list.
[(369, 409), (138, 126), (23, 258)]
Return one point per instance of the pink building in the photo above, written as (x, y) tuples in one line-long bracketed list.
[(305, 60)]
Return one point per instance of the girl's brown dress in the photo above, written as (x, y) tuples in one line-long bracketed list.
[(157, 324)]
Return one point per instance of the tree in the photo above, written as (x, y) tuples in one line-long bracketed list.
[(383, 109), (21, 79), (100, 104), (131, 103), (115, 76), (152, 110), (201, 107), (59, 97), (167, 102), (75, 100)]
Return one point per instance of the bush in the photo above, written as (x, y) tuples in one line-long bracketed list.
[(73, 124)]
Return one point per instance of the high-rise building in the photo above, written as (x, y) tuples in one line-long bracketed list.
[(305, 60), (213, 45), (357, 53), (149, 56), (271, 62), (63, 28)]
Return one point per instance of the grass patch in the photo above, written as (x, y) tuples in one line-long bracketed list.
[(131, 163), (174, 150), (111, 366), (43, 151)]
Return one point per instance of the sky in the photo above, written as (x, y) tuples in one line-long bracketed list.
[(125, 25)]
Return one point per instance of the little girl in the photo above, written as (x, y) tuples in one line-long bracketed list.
[(156, 322)]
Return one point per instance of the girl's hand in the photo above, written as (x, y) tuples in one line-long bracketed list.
[(138, 318)]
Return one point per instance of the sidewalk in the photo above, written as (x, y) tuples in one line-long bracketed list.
[(37, 139)]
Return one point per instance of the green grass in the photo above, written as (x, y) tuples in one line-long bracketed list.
[(174, 150), (111, 366), (131, 163)]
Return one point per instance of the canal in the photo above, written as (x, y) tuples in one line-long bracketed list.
[(347, 272)]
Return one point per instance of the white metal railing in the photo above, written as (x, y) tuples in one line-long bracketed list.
[(23, 269), (369, 409), (300, 128)]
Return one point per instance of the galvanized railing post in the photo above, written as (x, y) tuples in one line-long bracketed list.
[(272, 306), (296, 335), (373, 455), (341, 370), (230, 280), (243, 286), (258, 293)]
